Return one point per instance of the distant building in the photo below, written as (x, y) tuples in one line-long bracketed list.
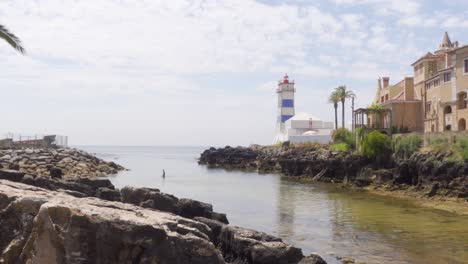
[(435, 99), (442, 78), (304, 127), (403, 100), (301, 127)]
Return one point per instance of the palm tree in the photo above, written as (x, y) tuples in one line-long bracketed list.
[(343, 94), (13, 40), (334, 99)]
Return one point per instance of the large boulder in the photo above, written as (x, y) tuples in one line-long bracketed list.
[(41, 226), (241, 245)]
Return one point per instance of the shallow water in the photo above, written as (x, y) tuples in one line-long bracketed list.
[(318, 218)]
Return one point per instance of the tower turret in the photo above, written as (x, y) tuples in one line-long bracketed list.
[(285, 93)]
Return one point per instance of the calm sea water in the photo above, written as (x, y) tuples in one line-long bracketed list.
[(316, 217)]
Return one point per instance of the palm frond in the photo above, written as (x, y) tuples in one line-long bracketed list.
[(13, 40), (334, 98)]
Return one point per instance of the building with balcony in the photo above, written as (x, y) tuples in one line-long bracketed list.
[(442, 79), (404, 103)]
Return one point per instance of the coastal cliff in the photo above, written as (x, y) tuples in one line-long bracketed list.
[(46, 220), (424, 174)]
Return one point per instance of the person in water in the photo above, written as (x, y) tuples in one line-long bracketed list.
[(164, 174)]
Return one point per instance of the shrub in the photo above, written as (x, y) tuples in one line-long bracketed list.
[(340, 147), (439, 144), (462, 148), (404, 147), (342, 135), (375, 144)]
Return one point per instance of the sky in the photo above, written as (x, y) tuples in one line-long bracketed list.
[(199, 73)]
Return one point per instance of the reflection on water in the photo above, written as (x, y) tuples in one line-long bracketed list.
[(316, 217)]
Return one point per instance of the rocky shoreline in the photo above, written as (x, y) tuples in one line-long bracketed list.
[(425, 175), (58, 162), (82, 220)]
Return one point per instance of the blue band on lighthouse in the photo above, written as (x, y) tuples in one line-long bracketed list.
[(287, 103), (285, 118)]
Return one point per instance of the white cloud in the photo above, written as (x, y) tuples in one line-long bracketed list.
[(158, 66)]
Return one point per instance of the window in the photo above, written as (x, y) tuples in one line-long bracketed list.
[(382, 99), (436, 82), (461, 100), (428, 86), (447, 77), (466, 66), (386, 97), (428, 107)]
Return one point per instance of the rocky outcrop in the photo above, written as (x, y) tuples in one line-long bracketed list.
[(429, 174), (45, 220), (56, 162), (41, 226), (311, 161), (104, 189)]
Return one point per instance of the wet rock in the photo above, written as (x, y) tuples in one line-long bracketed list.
[(313, 259), (257, 247)]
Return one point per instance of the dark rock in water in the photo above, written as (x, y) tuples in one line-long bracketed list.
[(320, 164), (108, 194), (239, 244), (219, 217), (150, 198), (191, 208), (96, 183), (55, 172), (313, 259)]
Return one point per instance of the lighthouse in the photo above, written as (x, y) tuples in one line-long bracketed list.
[(285, 93)]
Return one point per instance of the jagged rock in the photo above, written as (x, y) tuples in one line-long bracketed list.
[(40, 226), (108, 194), (313, 259), (150, 198), (239, 244), (43, 226)]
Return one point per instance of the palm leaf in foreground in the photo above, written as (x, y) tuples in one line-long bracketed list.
[(13, 40)]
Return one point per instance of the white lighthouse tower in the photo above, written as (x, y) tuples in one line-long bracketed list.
[(285, 93)]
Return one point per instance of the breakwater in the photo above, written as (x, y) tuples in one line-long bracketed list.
[(426, 175), (59, 162)]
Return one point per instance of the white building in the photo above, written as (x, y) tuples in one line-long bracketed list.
[(298, 128), (304, 127)]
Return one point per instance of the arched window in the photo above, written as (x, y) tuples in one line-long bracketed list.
[(461, 100), (447, 110), (448, 127), (432, 128), (461, 124)]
